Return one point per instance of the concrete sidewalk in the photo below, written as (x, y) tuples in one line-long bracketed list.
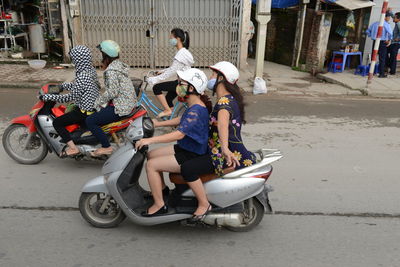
[(379, 87), (283, 80), (280, 79)]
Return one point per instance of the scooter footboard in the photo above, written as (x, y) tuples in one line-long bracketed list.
[(95, 185)]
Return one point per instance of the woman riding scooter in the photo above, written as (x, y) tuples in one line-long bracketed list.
[(119, 97), (192, 137), (83, 92), (183, 60), (226, 145)]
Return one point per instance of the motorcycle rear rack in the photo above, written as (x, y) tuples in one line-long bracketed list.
[(267, 156)]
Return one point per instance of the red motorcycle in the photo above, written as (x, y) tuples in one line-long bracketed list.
[(29, 138)]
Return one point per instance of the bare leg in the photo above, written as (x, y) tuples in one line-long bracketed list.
[(163, 101), (198, 189), (161, 152), (72, 148), (154, 168)]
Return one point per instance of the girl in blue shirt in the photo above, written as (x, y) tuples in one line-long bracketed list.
[(192, 141)]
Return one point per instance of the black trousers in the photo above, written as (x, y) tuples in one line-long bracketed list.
[(170, 88), (72, 117), (391, 59), (382, 52), (193, 168)]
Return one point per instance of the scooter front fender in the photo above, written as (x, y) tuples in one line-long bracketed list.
[(25, 120), (96, 185)]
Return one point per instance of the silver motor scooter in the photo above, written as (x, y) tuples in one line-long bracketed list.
[(239, 199)]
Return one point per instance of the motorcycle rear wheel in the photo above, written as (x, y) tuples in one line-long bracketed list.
[(37, 150), (253, 214), (89, 208)]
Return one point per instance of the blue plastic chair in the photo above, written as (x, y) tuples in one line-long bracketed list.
[(335, 67), (362, 70)]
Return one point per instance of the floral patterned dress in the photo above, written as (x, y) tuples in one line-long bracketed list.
[(245, 157)]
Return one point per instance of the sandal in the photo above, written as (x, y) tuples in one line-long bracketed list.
[(161, 211), (65, 154), (198, 218)]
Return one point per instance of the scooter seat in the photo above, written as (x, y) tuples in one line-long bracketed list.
[(123, 122), (133, 112), (176, 178)]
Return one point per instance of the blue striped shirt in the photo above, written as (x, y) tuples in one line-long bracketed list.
[(386, 33)]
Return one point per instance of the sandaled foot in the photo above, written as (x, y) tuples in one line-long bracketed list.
[(164, 114), (150, 212), (102, 151), (200, 217), (69, 152)]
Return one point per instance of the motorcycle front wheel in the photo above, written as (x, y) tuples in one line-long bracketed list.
[(252, 216), (92, 210), (23, 147)]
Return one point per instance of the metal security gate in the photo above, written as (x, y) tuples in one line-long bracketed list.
[(213, 26)]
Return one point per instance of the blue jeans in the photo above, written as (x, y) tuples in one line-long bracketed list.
[(97, 119)]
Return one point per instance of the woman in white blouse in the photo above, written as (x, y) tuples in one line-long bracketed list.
[(182, 61)]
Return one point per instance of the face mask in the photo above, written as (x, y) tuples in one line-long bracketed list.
[(211, 83), (173, 42), (181, 90)]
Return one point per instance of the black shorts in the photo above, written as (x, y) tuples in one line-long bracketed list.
[(182, 155)]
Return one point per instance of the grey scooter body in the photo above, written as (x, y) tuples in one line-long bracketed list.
[(122, 170)]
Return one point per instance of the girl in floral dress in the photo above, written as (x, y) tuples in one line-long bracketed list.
[(226, 148)]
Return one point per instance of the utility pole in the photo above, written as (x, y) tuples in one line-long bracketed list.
[(263, 16), (377, 42)]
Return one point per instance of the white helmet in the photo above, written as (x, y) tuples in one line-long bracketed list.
[(195, 77), (230, 72)]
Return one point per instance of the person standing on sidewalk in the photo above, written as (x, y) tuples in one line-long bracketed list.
[(393, 49), (385, 41)]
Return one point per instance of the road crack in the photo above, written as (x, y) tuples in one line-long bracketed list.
[(39, 208), (339, 214), (278, 212)]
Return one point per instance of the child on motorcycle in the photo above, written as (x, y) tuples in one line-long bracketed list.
[(83, 92), (226, 148), (183, 60), (192, 137), (119, 97)]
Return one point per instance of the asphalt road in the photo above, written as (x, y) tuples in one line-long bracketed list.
[(336, 196)]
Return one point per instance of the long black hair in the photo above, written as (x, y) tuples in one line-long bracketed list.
[(204, 98), (182, 35), (233, 89)]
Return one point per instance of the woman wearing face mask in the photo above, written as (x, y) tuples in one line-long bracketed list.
[(183, 60), (192, 137), (226, 148)]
